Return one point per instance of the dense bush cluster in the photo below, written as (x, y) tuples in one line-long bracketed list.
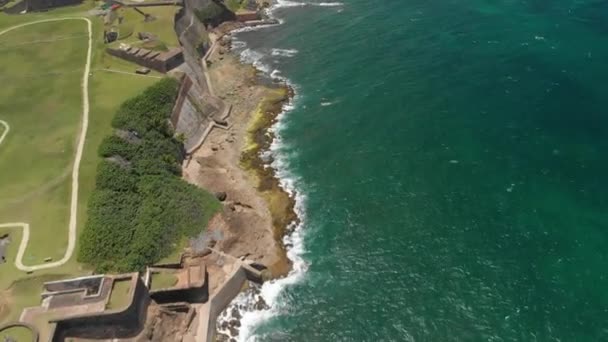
[(214, 13), (140, 207)]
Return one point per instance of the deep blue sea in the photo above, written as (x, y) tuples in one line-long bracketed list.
[(451, 167)]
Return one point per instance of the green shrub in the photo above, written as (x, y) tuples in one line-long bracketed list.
[(214, 14), (111, 176), (150, 110), (234, 5), (141, 207), (116, 146)]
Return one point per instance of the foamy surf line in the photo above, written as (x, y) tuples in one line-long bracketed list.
[(258, 304), (287, 4)]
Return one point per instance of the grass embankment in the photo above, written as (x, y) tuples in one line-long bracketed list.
[(106, 92), (235, 5), (18, 334), (162, 280), (133, 22), (141, 207), (119, 297)]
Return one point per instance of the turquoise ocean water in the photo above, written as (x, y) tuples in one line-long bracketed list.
[(450, 158)]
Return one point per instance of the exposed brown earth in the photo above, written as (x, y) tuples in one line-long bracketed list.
[(256, 210)]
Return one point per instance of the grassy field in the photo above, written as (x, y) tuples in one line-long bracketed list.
[(42, 106), (119, 297), (163, 280), (19, 334), (161, 26)]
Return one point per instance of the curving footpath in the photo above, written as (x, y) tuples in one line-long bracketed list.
[(7, 128), (75, 170)]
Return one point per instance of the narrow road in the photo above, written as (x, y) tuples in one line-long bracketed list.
[(75, 169)]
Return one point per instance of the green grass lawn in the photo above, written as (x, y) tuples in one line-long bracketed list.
[(162, 280), (119, 297), (19, 334), (161, 26), (39, 150), (43, 106)]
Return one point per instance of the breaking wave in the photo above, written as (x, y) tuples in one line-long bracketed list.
[(260, 303), (284, 52)]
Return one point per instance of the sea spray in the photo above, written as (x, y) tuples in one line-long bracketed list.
[(258, 304)]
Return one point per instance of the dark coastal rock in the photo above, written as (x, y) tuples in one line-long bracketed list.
[(236, 314), (258, 266), (221, 337), (233, 330), (221, 196), (260, 304)]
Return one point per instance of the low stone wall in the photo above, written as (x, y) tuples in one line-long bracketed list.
[(91, 285), (120, 323), (189, 295), (222, 298), (244, 16), (194, 292), (159, 61)]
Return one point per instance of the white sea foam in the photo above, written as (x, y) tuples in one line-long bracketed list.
[(284, 52), (237, 44), (276, 75), (254, 58), (329, 4), (271, 291), (287, 3), (256, 28), (294, 241)]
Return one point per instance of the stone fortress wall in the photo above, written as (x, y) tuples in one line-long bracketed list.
[(117, 323)]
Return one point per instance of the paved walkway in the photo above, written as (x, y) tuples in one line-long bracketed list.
[(75, 170)]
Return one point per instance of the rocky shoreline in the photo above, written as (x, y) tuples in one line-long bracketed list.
[(281, 203), (232, 161)]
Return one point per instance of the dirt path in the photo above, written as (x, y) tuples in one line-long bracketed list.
[(75, 170), (7, 128)]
